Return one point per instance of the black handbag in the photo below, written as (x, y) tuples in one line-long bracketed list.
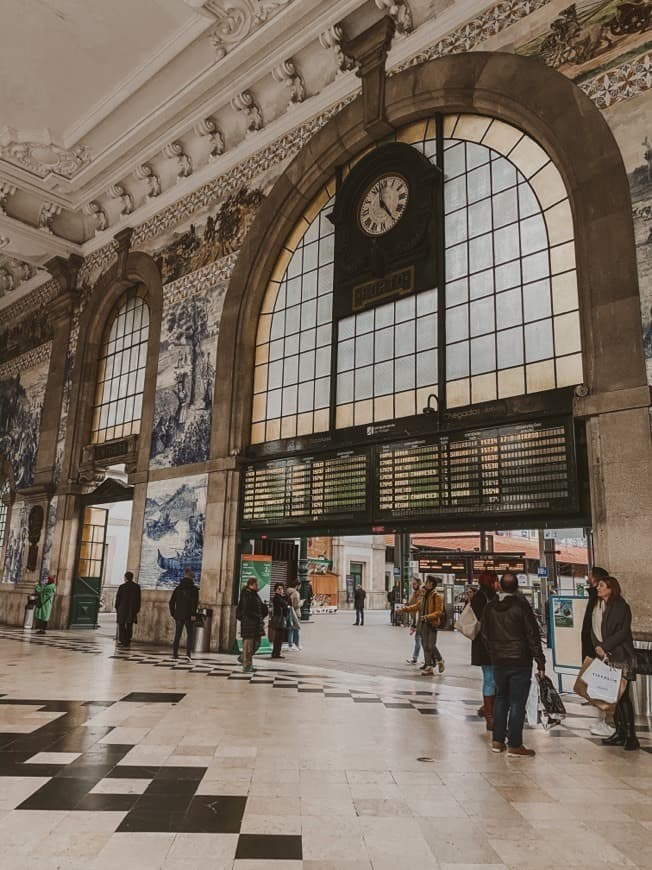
[(550, 699), (644, 661)]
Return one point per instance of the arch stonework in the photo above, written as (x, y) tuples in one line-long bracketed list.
[(551, 109)]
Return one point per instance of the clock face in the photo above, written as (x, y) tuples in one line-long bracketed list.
[(383, 204)]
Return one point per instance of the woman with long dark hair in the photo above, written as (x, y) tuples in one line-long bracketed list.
[(611, 630), (479, 653)]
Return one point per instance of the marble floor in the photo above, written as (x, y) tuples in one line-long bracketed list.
[(132, 760)]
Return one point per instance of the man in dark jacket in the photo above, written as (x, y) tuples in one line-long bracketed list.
[(183, 609), (509, 629), (251, 612), (127, 605), (359, 596)]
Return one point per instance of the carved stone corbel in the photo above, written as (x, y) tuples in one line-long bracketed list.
[(286, 74), (175, 151), (146, 173), (6, 190), (208, 127), (127, 205), (49, 210), (400, 12), (333, 39), (246, 104), (94, 209)]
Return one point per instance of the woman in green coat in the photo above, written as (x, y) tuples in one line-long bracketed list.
[(43, 610)]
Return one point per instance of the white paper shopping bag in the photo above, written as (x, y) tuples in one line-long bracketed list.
[(602, 681)]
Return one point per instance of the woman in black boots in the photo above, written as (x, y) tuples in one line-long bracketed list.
[(611, 629)]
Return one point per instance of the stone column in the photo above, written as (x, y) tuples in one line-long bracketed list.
[(620, 473), (39, 496)]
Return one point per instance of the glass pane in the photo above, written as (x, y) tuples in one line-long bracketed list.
[(482, 316), (457, 323), (510, 348), (457, 360), (538, 341), (483, 354)]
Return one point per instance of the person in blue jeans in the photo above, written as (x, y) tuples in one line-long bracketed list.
[(480, 657), (511, 633)]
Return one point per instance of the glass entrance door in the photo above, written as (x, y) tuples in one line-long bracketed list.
[(90, 567)]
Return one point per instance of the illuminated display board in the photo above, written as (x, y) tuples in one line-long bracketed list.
[(517, 470)]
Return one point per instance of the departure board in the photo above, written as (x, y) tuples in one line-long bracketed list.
[(458, 478), (509, 469), (293, 491)]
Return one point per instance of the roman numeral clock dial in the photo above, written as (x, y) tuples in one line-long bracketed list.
[(383, 204)]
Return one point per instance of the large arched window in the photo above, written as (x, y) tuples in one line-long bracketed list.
[(5, 513), (509, 300), (121, 371)]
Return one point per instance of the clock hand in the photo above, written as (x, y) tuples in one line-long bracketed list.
[(382, 202)]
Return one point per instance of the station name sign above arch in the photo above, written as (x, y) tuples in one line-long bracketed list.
[(387, 231)]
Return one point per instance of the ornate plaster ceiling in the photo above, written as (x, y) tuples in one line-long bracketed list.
[(111, 110)]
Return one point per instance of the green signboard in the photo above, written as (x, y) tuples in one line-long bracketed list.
[(260, 567)]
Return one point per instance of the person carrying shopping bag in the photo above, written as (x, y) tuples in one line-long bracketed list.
[(611, 629)]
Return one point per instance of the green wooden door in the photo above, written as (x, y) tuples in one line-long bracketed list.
[(88, 582)]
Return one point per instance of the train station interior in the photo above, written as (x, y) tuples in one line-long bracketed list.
[(338, 296)]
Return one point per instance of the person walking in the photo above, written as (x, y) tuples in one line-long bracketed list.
[(611, 631), (480, 657), (279, 619), (183, 609), (601, 728), (127, 607), (294, 617), (45, 593), (415, 598), (251, 613), (359, 595), (430, 610), (510, 631)]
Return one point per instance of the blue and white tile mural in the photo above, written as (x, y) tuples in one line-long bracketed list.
[(16, 544), (173, 531), (22, 391), (49, 534), (186, 379)]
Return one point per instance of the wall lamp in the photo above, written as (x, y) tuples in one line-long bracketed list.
[(429, 409)]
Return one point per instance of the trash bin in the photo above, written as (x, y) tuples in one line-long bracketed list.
[(28, 619), (642, 688), (202, 633)]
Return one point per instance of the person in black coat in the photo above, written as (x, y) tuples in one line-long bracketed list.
[(359, 596), (479, 653), (595, 575), (279, 619), (183, 609), (511, 633), (612, 637), (127, 606), (251, 612)]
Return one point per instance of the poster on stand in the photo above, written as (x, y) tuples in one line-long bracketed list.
[(566, 615)]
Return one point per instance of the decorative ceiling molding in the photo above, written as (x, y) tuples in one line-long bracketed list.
[(470, 34), (238, 19), (621, 82), (49, 210), (36, 153), (26, 361), (37, 298), (94, 209)]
